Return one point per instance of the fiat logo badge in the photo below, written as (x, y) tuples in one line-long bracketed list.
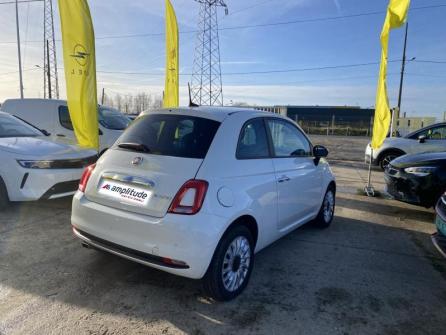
[(137, 160)]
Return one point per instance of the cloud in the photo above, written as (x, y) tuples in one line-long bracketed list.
[(338, 6)]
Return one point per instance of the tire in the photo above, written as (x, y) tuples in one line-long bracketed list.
[(326, 213), (221, 281), (387, 157), (4, 199)]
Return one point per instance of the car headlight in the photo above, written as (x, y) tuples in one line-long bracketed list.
[(74, 163), (35, 164), (420, 171)]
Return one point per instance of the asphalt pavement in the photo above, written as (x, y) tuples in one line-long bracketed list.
[(374, 271)]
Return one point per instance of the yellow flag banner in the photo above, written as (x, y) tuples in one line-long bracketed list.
[(396, 16), (171, 88), (80, 70)]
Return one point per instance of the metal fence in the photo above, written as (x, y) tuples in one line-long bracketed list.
[(336, 128)]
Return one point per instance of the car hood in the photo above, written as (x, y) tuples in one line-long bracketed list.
[(42, 148), (424, 159)]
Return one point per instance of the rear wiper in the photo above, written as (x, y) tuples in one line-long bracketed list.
[(134, 146)]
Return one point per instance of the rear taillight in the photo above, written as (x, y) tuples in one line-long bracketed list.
[(85, 176), (189, 198)]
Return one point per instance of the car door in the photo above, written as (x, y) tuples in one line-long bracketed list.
[(255, 175), (299, 179)]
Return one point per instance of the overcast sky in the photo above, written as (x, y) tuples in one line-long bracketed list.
[(301, 45)]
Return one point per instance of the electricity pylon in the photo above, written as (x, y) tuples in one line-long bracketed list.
[(50, 79), (206, 74)]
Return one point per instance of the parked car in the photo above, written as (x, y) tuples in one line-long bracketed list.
[(428, 139), (53, 117), (439, 238), (32, 167), (197, 191), (418, 179)]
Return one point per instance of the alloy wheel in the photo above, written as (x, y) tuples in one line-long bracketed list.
[(236, 263), (386, 161), (328, 206)]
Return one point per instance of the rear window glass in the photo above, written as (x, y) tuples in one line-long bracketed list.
[(172, 135)]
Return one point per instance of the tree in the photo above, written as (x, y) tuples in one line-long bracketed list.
[(133, 103)]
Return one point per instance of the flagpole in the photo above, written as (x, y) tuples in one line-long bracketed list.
[(18, 47), (368, 189), (403, 66)]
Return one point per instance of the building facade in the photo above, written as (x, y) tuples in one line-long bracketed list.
[(406, 125), (345, 120), (334, 120)]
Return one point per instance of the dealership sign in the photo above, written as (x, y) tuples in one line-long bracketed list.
[(125, 193)]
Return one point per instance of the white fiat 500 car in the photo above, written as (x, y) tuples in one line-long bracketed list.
[(32, 167), (198, 191)]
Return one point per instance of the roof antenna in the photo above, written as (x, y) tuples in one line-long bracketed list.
[(191, 103)]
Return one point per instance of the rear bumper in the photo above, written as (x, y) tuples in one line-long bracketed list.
[(439, 242), (130, 254), (439, 238), (190, 240)]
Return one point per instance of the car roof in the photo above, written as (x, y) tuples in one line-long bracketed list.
[(31, 101), (210, 112), (34, 101)]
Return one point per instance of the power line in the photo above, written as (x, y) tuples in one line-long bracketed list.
[(332, 18), (426, 75), (330, 79), (330, 67), (21, 1), (271, 24), (319, 68), (15, 72), (429, 61)]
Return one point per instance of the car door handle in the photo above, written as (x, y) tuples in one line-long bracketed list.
[(60, 135), (283, 179)]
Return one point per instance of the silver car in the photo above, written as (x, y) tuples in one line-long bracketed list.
[(428, 139)]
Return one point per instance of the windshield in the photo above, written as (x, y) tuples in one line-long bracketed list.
[(13, 127), (170, 135), (113, 119)]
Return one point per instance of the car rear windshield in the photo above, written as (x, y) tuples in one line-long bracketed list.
[(170, 135)]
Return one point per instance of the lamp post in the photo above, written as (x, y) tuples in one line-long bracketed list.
[(18, 47)]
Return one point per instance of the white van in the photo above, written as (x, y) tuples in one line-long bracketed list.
[(53, 117)]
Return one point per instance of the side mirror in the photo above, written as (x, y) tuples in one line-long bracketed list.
[(422, 138), (320, 151)]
